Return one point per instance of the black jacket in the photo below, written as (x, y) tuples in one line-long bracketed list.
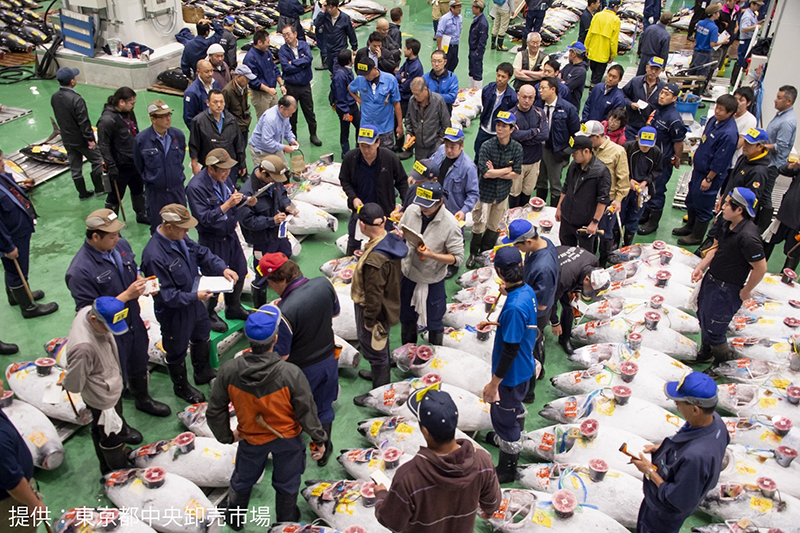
[(584, 188), (115, 135), (749, 173), (204, 137), (388, 62), (72, 117), (390, 177), (258, 221), (643, 166), (789, 211)]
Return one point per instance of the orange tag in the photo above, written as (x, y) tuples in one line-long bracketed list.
[(739, 322), (543, 476), (743, 363), (571, 409), (501, 511), (548, 439), (388, 397)]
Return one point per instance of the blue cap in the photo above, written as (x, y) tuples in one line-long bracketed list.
[(428, 194), (745, 198), (756, 135), (229, 20), (506, 117), (695, 388), (367, 134), (507, 256), (656, 61), (436, 411), (66, 74), (424, 169), (578, 47), (520, 230), (454, 135), (262, 326), (112, 313), (647, 136), (674, 88)]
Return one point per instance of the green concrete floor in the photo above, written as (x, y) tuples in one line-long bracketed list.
[(60, 233)]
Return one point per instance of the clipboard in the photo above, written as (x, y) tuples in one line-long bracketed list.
[(412, 237)]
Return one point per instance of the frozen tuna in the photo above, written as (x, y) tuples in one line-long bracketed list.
[(468, 340), (675, 294), (194, 418), (311, 219), (330, 198), (460, 315), (455, 367), (651, 251), (645, 385), (361, 462), (745, 501), (743, 465), (649, 360), (344, 325), (340, 504), (616, 330), (763, 432), (746, 400), (633, 310), (44, 393), (37, 431), (752, 371), (776, 350)]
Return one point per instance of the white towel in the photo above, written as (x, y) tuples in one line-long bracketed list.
[(111, 421), (771, 230), (419, 301)]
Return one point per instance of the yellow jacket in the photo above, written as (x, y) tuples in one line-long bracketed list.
[(603, 37)]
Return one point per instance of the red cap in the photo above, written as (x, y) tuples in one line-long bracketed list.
[(270, 263)]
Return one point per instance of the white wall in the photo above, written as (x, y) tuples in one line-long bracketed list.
[(784, 57)]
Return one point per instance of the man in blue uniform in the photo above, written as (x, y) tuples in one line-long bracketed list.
[(654, 43), (541, 274), (457, 174), (195, 97), (574, 72), (342, 101), (158, 154), (641, 96), (379, 97), (174, 258), (687, 465), (706, 41), (17, 216), (412, 68), (106, 266), (513, 365), (586, 19), (496, 97), (712, 160), (337, 29), (478, 35), (440, 80), (305, 334), (296, 59), (605, 97), (535, 16), (450, 26), (264, 87), (214, 201), (645, 165), (670, 133), (195, 49)]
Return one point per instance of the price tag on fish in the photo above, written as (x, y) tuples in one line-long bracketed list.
[(151, 286), (548, 439)]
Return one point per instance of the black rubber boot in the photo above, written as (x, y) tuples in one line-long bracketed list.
[(494, 42), (113, 207), (312, 131), (142, 399), (97, 181), (606, 247), (507, 467), (365, 374), (217, 324), (704, 354), (235, 505), (37, 295), (83, 192), (489, 240), (645, 216), (554, 198), (129, 435), (27, 307), (500, 46), (627, 238), (652, 223), (259, 297), (541, 193), (408, 332), (287, 510), (6, 348), (328, 445), (565, 343), (381, 375), (138, 202), (452, 270), (697, 236), (201, 353), (687, 228), (524, 199), (233, 303), (180, 383), (115, 458), (530, 397), (474, 250), (790, 263), (436, 337)]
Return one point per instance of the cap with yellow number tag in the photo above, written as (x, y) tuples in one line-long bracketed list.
[(755, 136), (428, 194), (367, 134), (424, 169), (647, 136)]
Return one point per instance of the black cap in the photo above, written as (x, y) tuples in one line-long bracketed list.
[(579, 142), (369, 213), (365, 66), (435, 411), (428, 194)]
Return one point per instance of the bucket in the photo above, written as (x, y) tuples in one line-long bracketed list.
[(628, 370), (690, 105), (154, 477), (666, 257), (589, 428), (781, 426), (326, 159), (488, 302), (662, 278), (483, 333), (621, 394), (368, 493), (192, 14), (793, 394), (537, 203), (788, 276), (297, 162), (185, 441), (44, 365), (651, 320), (635, 341), (785, 455), (564, 503), (546, 226), (767, 486), (597, 470), (659, 245), (391, 457), (656, 301)]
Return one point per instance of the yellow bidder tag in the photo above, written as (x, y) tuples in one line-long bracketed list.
[(122, 315), (648, 136), (419, 167), (319, 489), (424, 193), (366, 132), (541, 518), (376, 426)]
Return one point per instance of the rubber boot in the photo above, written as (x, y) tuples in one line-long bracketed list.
[(233, 303), (380, 375), (687, 228), (200, 353), (627, 238), (474, 250), (328, 445), (452, 270), (408, 332), (500, 46), (259, 297), (606, 247), (287, 510), (507, 467), (513, 201), (97, 181), (554, 198), (142, 399), (652, 223), (524, 199), (113, 207), (37, 295), (217, 324), (791, 263), (180, 383), (721, 353), (436, 337), (697, 236), (6, 348), (494, 42), (83, 192), (489, 240), (235, 505), (115, 458), (541, 193), (704, 354), (139, 208), (645, 216), (566, 343), (27, 307), (129, 435)]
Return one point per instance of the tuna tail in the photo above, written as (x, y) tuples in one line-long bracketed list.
[(56, 132)]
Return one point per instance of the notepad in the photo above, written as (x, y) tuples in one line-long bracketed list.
[(215, 284)]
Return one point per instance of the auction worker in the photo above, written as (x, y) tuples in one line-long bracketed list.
[(737, 250), (513, 366), (686, 466), (174, 258), (305, 338), (158, 154), (93, 371), (541, 274), (457, 174), (422, 294), (214, 201), (106, 266), (296, 60), (274, 406), (18, 494), (378, 95), (478, 35), (644, 163), (602, 40), (441, 488), (450, 26)]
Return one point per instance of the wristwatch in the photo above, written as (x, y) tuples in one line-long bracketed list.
[(709, 180), (595, 221)]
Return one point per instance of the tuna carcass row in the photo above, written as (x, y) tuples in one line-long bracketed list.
[(44, 392), (653, 361), (341, 504), (37, 431), (634, 310), (644, 385), (654, 333), (776, 397), (455, 367), (762, 505), (361, 462)]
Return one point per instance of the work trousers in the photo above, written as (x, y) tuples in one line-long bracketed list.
[(526, 181), (533, 21), (373, 357), (156, 199), (765, 209), (180, 325), (128, 178), (262, 101), (75, 154), (258, 157), (132, 347), (481, 138), (700, 202), (631, 212), (344, 128), (475, 69), (598, 71), (101, 440), (452, 57), (323, 378), (650, 522), (488, 215), (12, 275), (659, 198), (717, 302), (501, 19), (229, 250), (550, 171), (305, 100), (288, 464), (700, 57), (508, 415), (784, 235), (435, 307), (569, 236)]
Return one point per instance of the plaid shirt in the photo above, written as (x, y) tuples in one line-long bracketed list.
[(510, 155)]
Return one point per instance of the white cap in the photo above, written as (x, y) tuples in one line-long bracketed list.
[(215, 48), (600, 279), (593, 127)]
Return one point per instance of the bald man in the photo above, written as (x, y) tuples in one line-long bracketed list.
[(531, 132), (196, 95)]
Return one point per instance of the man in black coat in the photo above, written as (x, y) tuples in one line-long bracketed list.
[(77, 136), (213, 128)]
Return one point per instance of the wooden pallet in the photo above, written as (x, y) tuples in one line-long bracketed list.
[(65, 429), (159, 87), (8, 113), (16, 59)]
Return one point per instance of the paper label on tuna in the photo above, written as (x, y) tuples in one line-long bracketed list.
[(345, 508), (195, 509), (767, 403), (388, 397), (606, 407), (781, 347), (571, 409), (781, 383), (438, 363), (744, 468), (51, 394), (376, 426), (731, 425), (769, 280), (500, 513), (137, 487), (548, 439), (762, 505), (404, 428), (541, 518), (319, 489), (38, 439), (211, 453), (543, 476), (770, 437)]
